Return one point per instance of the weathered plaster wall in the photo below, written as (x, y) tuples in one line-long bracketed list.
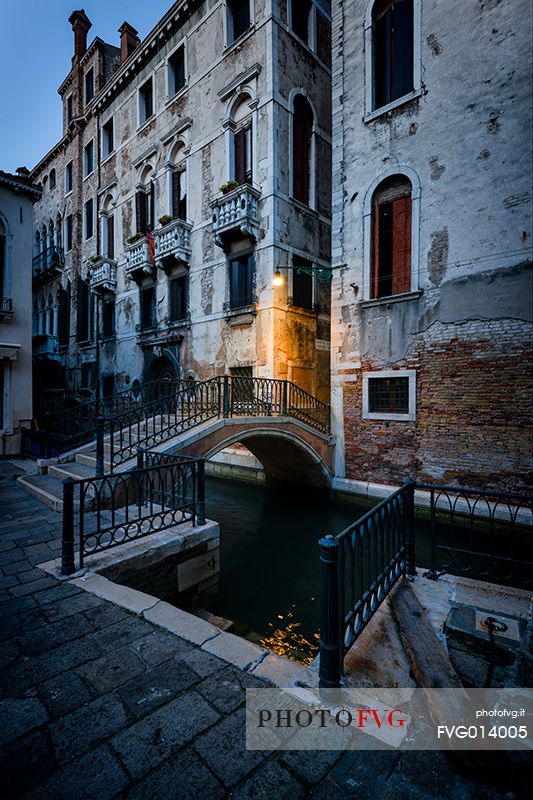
[(468, 334)]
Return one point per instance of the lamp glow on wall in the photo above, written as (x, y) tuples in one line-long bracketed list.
[(323, 274)]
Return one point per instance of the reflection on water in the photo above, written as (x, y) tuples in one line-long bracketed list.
[(269, 562)]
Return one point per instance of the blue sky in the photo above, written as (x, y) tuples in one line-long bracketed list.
[(35, 53)]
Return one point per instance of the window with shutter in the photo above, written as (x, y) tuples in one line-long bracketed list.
[(393, 50), (110, 236), (392, 220), (141, 212), (178, 298), (179, 194), (301, 149), (241, 281)]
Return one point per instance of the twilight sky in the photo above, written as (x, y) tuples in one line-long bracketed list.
[(35, 52)]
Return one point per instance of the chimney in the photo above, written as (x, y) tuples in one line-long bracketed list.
[(81, 24), (23, 172), (128, 40)]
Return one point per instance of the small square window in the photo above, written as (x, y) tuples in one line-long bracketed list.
[(108, 138), (146, 101), (176, 71), (389, 395)]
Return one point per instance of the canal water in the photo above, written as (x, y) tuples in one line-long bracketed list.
[(269, 559)]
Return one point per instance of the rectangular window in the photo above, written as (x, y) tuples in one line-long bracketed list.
[(87, 375), (393, 52), (302, 284), (68, 233), (109, 236), (241, 278), (52, 179), (177, 298), (108, 386), (89, 86), (88, 158), (70, 110), (179, 194), (148, 312), (238, 18), (390, 395), (89, 218), (68, 178), (323, 38), (84, 311), (141, 212), (392, 247), (108, 143), (176, 71), (243, 155), (301, 19), (108, 317), (146, 101)]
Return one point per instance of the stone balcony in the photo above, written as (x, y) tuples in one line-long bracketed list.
[(48, 264), (6, 309), (236, 214), (173, 244), (104, 276), (45, 345), (138, 262)]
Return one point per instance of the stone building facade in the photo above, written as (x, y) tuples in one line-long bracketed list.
[(17, 196), (431, 316), (193, 165)]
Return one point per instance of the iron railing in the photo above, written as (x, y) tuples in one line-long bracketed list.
[(485, 535), (480, 534), (60, 431), (220, 397), (162, 492), (359, 567), (50, 259), (6, 305)]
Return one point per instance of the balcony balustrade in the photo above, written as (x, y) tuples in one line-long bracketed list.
[(45, 346), (236, 214), (173, 243), (138, 262), (48, 263), (6, 309), (104, 276)]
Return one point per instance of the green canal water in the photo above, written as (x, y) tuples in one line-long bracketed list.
[(269, 559)]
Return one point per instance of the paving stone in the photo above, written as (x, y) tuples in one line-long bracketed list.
[(33, 620), (11, 557), (6, 545), (72, 605), (312, 766), (183, 777), (54, 635), (356, 772), (16, 605), (96, 776), (30, 575), (327, 790), (13, 568), (9, 626), (201, 662), (37, 553), (270, 781), (236, 651), (159, 646), (156, 686), (226, 690), (8, 581), (26, 762), (9, 653), (121, 633), (223, 748), (105, 614), (79, 731), (35, 586), (153, 739), (18, 717), (112, 670), (64, 693), (59, 592)]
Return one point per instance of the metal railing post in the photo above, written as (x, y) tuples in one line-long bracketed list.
[(99, 447), (67, 540), (200, 502), (410, 558), (140, 466), (225, 398), (284, 399), (330, 623)]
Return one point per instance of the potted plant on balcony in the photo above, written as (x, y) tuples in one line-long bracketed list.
[(229, 186), (95, 259), (134, 237), (164, 220)]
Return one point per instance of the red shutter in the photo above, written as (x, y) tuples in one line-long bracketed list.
[(401, 243), (240, 159), (111, 237), (375, 253)]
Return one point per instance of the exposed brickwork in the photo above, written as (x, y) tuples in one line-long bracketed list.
[(473, 423)]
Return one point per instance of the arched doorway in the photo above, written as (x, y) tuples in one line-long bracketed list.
[(160, 372)]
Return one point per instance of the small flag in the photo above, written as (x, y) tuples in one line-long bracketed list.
[(151, 247)]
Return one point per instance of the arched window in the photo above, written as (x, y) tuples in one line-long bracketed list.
[(242, 149), (393, 36), (108, 228), (52, 179), (391, 237), (59, 231), (178, 183), (302, 151), (145, 202)]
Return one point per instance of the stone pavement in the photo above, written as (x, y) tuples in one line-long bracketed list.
[(97, 703)]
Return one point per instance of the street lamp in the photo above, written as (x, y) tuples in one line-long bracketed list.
[(323, 274)]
